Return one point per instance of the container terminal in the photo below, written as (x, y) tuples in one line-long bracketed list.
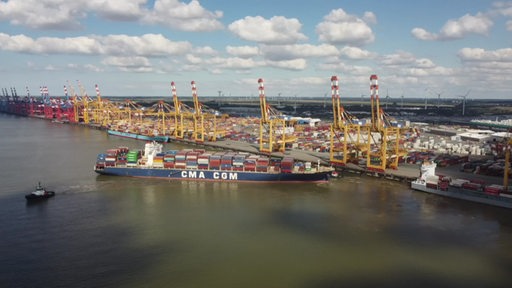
[(389, 139)]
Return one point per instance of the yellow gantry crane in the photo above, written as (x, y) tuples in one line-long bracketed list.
[(110, 113), (183, 116), (85, 100), (383, 148), (205, 120), (101, 109), (131, 113), (178, 118), (81, 109), (163, 113), (76, 103), (273, 130), (345, 135)]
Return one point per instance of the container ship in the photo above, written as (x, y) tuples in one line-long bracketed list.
[(158, 138), (470, 190), (202, 165)]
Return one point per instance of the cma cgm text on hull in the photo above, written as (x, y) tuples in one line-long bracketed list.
[(201, 165)]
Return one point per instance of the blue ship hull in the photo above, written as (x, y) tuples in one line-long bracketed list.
[(214, 175), (158, 138)]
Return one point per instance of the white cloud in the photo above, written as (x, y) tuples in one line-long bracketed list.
[(479, 54), (423, 34), (346, 68), (232, 63), (205, 50), (276, 30), (295, 64), (129, 10), (407, 65), (400, 58), (311, 80), (339, 27), (425, 72), (193, 59), (369, 17), (356, 53), (182, 16), (289, 52), (93, 68), (457, 29), (134, 64), (486, 70), (40, 14), (503, 8), (66, 15), (490, 67), (80, 67), (49, 45), (244, 62), (243, 51), (424, 63), (145, 45)]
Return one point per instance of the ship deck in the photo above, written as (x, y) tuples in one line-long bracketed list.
[(405, 172)]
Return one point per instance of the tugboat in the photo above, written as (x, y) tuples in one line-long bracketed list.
[(39, 194)]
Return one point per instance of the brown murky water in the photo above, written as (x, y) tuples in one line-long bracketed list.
[(122, 232)]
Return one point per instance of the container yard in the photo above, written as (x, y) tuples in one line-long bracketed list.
[(373, 143)]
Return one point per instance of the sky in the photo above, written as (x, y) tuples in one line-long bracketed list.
[(418, 49)]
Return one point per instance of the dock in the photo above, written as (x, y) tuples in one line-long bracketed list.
[(405, 172)]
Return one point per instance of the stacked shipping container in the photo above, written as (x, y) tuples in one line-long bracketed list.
[(200, 159)]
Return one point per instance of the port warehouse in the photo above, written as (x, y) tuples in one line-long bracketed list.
[(309, 134)]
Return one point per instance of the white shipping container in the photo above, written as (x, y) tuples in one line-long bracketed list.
[(458, 182)]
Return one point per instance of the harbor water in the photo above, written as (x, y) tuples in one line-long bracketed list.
[(100, 231)]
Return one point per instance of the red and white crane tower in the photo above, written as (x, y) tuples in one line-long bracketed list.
[(205, 119), (178, 116), (68, 107), (198, 115), (273, 132), (383, 148), (182, 112), (345, 134), (375, 103)]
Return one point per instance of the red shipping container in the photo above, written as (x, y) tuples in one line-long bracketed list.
[(168, 164)]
